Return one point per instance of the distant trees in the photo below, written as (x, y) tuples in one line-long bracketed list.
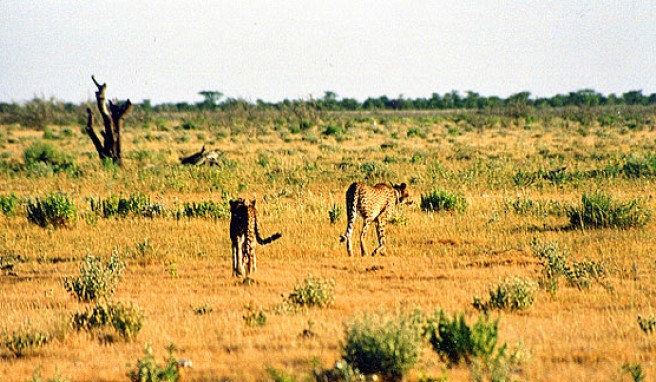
[(41, 111)]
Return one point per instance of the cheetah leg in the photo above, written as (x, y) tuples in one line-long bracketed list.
[(238, 257), (380, 230), (235, 250), (365, 228)]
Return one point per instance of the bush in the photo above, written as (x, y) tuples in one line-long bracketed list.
[(334, 130), (456, 342), (147, 369), (8, 204), (647, 324), (513, 294), (25, 340), (555, 264), (600, 210), (95, 281), (126, 320), (379, 345), (313, 292), (135, 204), (440, 200), (55, 210), (206, 209), (41, 152)]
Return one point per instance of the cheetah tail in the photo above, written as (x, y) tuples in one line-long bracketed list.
[(269, 239)]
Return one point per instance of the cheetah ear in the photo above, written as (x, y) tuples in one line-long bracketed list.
[(404, 186), (253, 202), (233, 203)]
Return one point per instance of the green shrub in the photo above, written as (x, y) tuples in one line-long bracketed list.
[(278, 375), (441, 200), (334, 130), (335, 214), (313, 292), (42, 152), (26, 340), (457, 342), (135, 205), (380, 345), (54, 210), (647, 324), (126, 320), (8, 204), (555, 264), (147, 369), (96, 281), (640, 167), (206, 209), (600, 210), (512, 294)]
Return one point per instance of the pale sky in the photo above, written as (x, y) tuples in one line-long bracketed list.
[(168, 51)]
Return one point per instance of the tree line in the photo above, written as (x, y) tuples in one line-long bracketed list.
[(40, 109)]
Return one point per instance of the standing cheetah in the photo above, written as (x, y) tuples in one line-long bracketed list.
[(374, 204)]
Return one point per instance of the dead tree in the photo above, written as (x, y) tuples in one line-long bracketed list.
[(112, 113)]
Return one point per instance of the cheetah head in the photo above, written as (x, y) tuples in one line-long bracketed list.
[(402, 194)]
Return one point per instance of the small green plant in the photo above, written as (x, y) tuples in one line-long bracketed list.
[(148, 370), (24, 341), (441, 200), (313, 292), (554, 264), (54, 210), (647, 324), (380, 345), (634, 370), (8, 204), (512, 294), (202, 310), (96, 281), (335, 214), (599, 210), (126, 320), (457, 342), (254, 317)]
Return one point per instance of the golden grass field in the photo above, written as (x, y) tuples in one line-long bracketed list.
[(434, 260)]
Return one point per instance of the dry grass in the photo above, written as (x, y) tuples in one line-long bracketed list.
[(435, 261)]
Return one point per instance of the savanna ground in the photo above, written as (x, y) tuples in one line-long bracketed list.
[(179, 271)]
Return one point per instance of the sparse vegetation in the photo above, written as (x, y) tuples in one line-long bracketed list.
[(55, 210), (519, 171), (599, 210), (442, 200), (313, 292), (512, 294), (126, 320), (96, 281), (24, 341), (375, 344)]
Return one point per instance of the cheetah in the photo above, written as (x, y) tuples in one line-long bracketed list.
[(245, 235), (373, 204)]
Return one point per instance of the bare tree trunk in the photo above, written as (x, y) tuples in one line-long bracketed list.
[(112, 114)]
